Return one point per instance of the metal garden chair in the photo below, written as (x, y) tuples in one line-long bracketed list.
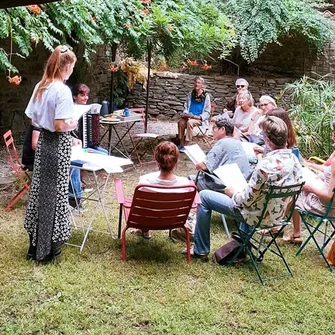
[(155, 207), (250, 240), (323, 224), (20, 171)]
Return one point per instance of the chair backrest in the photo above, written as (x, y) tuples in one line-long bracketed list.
[(161, 207), (11, 150), (289, 192)]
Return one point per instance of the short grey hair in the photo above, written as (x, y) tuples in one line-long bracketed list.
[(267, 98), (242, 80), (200, 78), (222, 122)]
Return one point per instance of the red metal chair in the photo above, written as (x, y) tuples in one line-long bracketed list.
[(19, 169), (150, 211)]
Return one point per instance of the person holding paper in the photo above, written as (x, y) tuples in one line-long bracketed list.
[(196, 112), (51, 109), (226, 150), (280, 167), (314, 198)]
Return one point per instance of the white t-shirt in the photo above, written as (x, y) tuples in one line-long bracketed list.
[(152, 178), (242, 119), (56, 103)]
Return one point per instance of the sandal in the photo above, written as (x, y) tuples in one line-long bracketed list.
[(144, 234), (293, 239), (274, 230)]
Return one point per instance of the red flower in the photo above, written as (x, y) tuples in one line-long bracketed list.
[(94, 18), (145, 1), (35, 9), (113, 68), (15, 80), (145, 11), (128, 25), (169, 29), (192, 62), (206, 67)]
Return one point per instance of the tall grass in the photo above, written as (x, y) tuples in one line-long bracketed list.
[(312, 108)]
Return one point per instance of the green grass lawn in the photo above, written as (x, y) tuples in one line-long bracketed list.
[(155, 291)]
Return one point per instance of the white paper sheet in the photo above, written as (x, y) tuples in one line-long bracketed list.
[(311, 178), (195, 153), (110, 164), (231, 176), (79, 110)]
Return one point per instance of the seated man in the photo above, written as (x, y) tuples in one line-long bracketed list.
[(279, 167), (197, 111), (28, 157), (226, 150)]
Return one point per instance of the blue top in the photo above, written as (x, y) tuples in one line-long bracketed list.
[(197, 107)]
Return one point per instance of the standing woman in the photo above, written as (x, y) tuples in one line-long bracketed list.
[(51, 109)]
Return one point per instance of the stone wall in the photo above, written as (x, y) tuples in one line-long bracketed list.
[(168, 91)]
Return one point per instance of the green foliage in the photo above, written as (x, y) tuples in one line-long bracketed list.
[(312, 108), (259, 23)]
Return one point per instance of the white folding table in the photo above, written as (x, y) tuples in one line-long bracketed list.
[(111, 166)]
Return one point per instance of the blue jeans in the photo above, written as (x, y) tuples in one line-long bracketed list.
[(75, 183), (219, 202)]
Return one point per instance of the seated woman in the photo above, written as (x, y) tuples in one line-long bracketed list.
[(266, 104), (80, 94), (243, 113), (226, 150), (166, 155), (313, 199)]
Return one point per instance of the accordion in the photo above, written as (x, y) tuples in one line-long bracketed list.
[(91, 129)]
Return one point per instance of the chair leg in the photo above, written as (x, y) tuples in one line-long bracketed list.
[(120, 222), (224, 222), (123, 245), (188, 245), (17, 197)]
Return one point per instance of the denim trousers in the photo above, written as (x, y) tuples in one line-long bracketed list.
[(75, 183), (219, 202)]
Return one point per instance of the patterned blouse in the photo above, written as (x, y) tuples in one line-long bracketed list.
[(278, 168)]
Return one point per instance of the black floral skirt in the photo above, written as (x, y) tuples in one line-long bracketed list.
[(47, 219)]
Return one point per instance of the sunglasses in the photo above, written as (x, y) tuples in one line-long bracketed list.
[(262, 105), (64, 49), (240, 86)]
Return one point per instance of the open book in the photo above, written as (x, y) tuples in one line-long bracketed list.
[(195, 153), (231, 176), (79, 110)]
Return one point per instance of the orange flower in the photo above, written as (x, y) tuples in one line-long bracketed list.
[(192, 62), (15, 80), (206, 67), (169, 29), (35, 9), (145, 11), (113, 68)]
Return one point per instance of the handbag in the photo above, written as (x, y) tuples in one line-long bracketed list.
[(225, 254), (331, 255)]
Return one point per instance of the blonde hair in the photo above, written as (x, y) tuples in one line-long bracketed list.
[(57, 61)]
